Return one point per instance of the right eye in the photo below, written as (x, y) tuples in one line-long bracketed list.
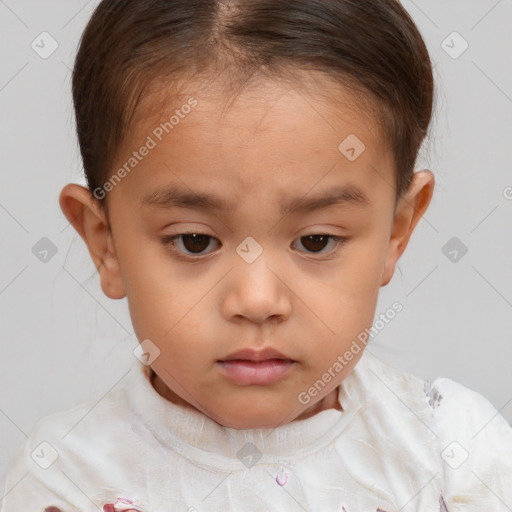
[(188, 241)]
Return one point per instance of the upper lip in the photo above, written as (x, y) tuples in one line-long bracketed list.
[(249, 354)]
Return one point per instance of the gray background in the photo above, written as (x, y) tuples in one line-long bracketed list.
[(63, 341)]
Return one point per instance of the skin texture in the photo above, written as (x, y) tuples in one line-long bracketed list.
[(309, 301)]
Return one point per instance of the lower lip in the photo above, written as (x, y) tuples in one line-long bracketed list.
[(256, 373)]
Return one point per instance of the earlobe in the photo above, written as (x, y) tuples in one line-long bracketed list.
[(89, 220), (410, 209)]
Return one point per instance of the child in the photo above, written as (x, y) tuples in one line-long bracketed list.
[(250, 189)]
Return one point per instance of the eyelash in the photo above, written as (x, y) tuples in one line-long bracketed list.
[(169, 241)]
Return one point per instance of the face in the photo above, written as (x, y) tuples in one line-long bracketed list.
[(252, 291)]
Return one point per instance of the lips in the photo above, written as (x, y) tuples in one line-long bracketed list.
[(251, 367), (256, 355)]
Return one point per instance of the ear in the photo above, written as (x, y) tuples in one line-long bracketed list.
[(88, 218), (409, 211)]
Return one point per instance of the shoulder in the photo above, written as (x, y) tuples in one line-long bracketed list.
[(476, 449), (451, 401), (456, 433), (453, 410), (94, 418), (72, 445)]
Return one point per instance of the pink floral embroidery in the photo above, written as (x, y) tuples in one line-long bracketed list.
[(282, 478), (442, 507), (121, 505)]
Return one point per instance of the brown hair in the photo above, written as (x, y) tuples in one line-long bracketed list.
[(134, 50)]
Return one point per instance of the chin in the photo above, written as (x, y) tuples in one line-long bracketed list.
[(239, 421)]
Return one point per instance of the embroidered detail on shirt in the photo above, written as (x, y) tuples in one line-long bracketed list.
[(432, 394), (282, 477), (121, 505), (343, 509), (442, 505)]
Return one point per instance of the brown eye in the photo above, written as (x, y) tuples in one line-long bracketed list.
[(195, 242), (189, 243), (317, 242)]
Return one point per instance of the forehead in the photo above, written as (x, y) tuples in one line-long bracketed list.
[(310, 94), (283, 136)]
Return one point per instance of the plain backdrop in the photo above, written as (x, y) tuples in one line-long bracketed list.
[(63, 341)]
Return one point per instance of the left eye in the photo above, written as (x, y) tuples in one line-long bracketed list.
[(312, 242)]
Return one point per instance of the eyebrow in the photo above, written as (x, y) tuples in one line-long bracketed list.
[(173, 197)]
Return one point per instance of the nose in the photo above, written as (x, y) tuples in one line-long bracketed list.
[(257, 292)]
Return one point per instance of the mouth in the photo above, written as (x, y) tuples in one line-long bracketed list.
[(256, 368)]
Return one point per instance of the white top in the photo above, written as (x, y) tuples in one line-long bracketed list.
[(399, 444)]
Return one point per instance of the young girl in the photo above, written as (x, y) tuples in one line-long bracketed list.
[(250, 189)]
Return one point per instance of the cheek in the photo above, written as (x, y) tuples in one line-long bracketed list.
[(369, 255), (153, 301), (168, 307), (342, 303), (352, 280)]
